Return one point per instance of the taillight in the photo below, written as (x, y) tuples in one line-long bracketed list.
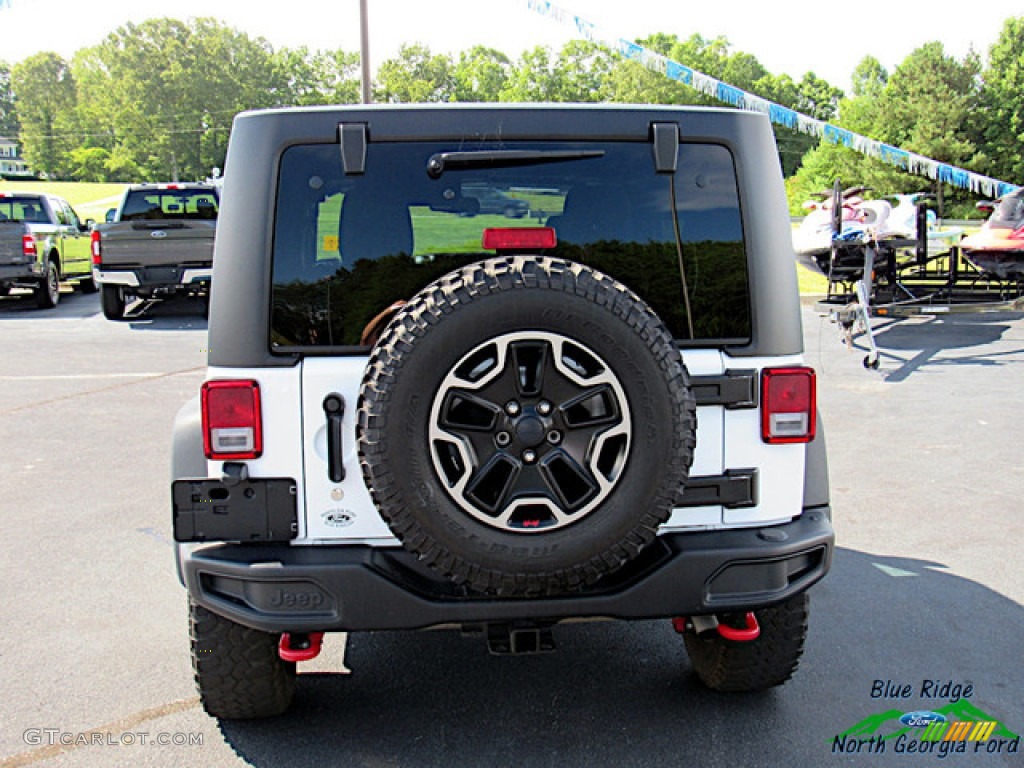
[(518, 238), (28, 246), (232, 424), (788, 405), (97, 248)]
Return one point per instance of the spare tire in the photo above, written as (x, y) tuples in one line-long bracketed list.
[(525, 425)]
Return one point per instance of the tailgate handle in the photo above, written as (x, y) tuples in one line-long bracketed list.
[(334, 407)]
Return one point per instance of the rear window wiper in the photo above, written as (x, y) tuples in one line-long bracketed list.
[(503, 158)]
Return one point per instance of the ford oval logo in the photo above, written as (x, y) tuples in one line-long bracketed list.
[(158, 233), (922, 718)]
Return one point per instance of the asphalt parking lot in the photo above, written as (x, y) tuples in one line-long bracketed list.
[(926, 596)]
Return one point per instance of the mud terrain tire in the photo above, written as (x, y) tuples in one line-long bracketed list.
[(525, 425)]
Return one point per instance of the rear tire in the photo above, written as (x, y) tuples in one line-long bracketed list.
[(48, 289), (237, 669), (768, 661), (112, 302)]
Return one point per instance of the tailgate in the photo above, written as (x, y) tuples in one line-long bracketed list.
[(335, 509), (10, 243), (151, 243), (345, 510)]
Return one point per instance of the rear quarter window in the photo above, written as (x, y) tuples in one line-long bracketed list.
[(347, 247)]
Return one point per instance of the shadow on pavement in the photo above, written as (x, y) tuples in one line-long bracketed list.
[(908, 345), (21, 305), (618, 694), (173, 314)]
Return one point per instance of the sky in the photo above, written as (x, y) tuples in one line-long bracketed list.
[(786, 36)]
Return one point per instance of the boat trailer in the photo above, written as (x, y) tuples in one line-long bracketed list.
[(899, 277)]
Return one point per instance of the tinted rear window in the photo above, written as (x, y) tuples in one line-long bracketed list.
[(347, 247), (13, 208), (170, 204)]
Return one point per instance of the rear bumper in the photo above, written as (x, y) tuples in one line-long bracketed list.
[(13, 273), (282, 588), (154, 277)]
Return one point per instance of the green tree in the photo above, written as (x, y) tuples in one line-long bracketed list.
[(928, 103), (869, 78), (579, 72), (160, 95), (8, 113), (90, 163), (1003, 104), (534, 78), (481, 74), (630, 82), (416, 75), (46, 96), (817, 98), (926, 106), (319, 77)]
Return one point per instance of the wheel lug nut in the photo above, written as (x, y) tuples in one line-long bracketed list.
[(554, 437), (529, 457), (503, 439), (543, 407), (512, 408)]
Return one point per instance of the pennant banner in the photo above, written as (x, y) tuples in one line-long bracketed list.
[(778, 114)]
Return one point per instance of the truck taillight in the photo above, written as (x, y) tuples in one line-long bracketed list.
[(97, 248), (28, 246), (232, 424), (788, 405)]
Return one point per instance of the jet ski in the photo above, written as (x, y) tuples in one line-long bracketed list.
[(998, 247), (833, 215), (828, 243), (900, 221)]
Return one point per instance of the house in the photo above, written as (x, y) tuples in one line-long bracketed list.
[(12, 166)]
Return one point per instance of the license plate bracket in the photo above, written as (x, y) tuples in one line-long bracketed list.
[(260, 509)]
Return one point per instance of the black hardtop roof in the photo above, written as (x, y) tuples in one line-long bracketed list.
[(403, 122)]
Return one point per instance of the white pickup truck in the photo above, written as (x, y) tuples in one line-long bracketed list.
[(42, 242)]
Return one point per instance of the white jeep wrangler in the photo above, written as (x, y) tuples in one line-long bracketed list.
[(421, 414)]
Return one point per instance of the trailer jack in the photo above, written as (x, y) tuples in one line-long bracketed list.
[(704, 624), (300, 646)]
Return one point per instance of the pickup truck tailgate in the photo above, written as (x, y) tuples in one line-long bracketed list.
[(157, 243)]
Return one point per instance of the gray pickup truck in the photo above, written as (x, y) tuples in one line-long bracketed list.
[(42, 242), (159, 242)]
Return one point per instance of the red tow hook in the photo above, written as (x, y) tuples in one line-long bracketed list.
[(300, 646), (710, 623), (752, 632)]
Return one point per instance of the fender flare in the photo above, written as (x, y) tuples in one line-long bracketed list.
[(816, 490), (187, 460)]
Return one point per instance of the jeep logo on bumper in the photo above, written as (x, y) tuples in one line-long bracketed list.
[(296, 599)]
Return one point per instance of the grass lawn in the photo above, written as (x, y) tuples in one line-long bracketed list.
[(810, 282), (90, 201)]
